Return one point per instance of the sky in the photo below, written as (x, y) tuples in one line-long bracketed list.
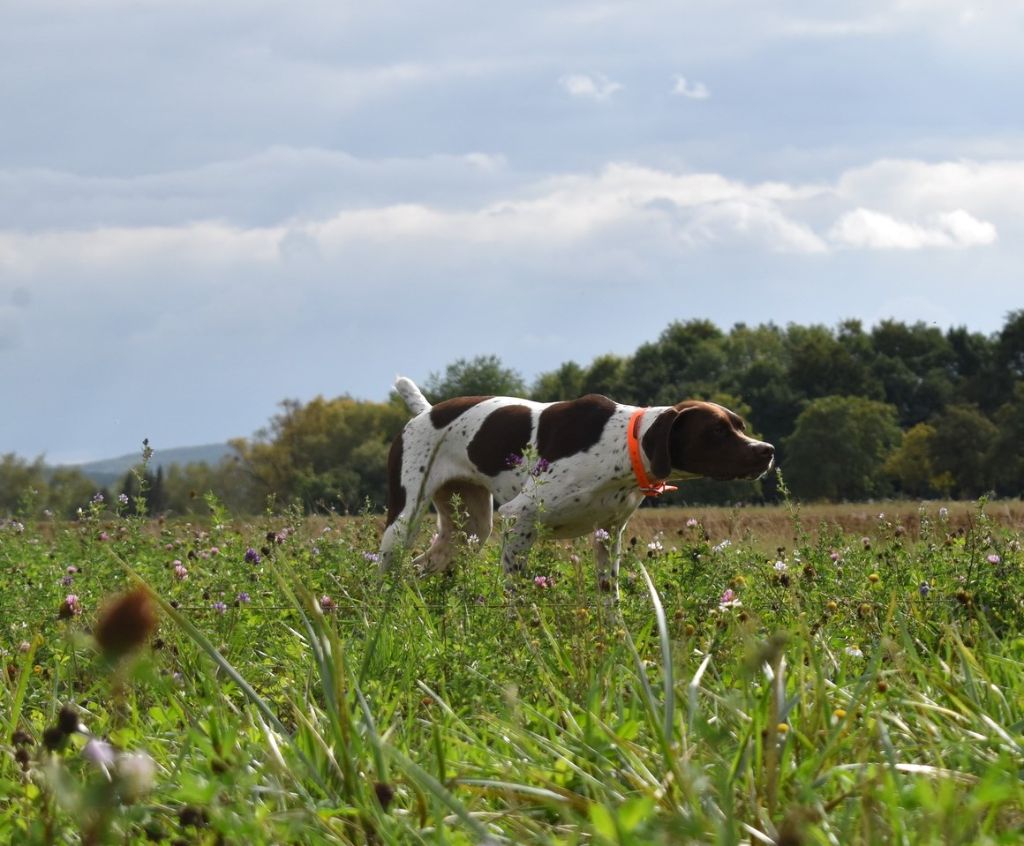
[(207, 208)]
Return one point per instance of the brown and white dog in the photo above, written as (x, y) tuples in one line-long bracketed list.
[(574, 467)]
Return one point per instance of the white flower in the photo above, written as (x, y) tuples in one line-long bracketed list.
[(100, 753), (721, 547), (780, 566), (136, 772), (655, 546), (854, 651), (601, 535)]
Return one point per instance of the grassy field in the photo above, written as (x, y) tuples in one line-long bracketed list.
[(841, 675)]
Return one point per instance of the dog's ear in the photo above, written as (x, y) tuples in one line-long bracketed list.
[(657, 443)]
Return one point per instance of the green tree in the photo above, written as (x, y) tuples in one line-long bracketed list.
[(686, 361), (838, 449), (962, 450), (821, 364), (1007, 454), (910, 465), (604, 376), (326, 454), (21, 482), (483, 375), (564, 383)]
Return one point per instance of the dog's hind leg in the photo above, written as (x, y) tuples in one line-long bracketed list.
[(464, 510)]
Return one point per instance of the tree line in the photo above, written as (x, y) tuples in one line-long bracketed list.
[(894, 410)]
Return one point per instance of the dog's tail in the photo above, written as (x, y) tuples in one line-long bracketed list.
[(412, 395)]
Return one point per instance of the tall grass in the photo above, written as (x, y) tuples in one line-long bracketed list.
[(836, 687)]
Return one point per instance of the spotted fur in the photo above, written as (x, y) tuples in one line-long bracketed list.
[(562, 465)]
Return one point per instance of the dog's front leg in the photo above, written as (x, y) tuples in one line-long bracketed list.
[(519, 533), (608, 555)]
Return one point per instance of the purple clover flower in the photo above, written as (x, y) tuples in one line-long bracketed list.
[(994, 559), (326, 603), (542, 466), (252, 556), (219, 607), (513, 460)]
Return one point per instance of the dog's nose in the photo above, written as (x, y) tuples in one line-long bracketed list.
[(764, 451)]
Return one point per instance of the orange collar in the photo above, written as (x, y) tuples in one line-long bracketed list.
[(649, 486)]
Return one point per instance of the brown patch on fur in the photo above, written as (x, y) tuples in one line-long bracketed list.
[(396, 491), (504, 432), (565, 428), (657, 441), (445, 412)]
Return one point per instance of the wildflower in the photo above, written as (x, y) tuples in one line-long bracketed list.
[(67, 581), (924, 589), (180, 571), (854, 651), (97, 497), (513, 460), (543, 582), (67, 720), (136, 772), (994, 559), (473, 540), (943, 513), (655, 545), (728, 600), (126, 623), (721, 547), (219, 607), (252, 556), (372, 557), (242, 598), (780, 566), (122, 498), (24, 646), (214, 550), (542, 466), (100, 753), (384, 793), (70, 607), (104, 537), (601, 535), (72, 569), (692, 523), (326, 603), (835, 555)]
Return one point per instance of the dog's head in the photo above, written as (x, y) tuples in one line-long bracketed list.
[(705, 439)]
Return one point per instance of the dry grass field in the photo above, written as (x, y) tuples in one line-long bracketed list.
[(771, 526)]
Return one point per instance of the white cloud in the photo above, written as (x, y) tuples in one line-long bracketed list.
[(589, 87), (690, 90), (867, 229), (887, 205)]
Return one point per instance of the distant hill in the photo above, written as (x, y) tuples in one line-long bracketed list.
[(107, 471)]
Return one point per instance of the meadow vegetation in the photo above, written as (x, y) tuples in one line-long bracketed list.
[(782, 675)]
